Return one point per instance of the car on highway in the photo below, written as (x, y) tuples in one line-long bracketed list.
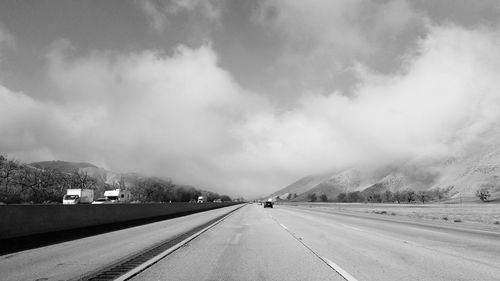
[(268, 204), (102, 200)]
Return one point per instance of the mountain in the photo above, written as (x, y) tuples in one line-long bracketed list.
[(462, 175), (63, 166), (302, 185), (102, 175), (470, 172), (108, 179)]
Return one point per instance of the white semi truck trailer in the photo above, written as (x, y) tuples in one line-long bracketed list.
[(78, 196), (118, 195)]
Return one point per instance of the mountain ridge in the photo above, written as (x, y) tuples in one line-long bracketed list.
[(460, 175)]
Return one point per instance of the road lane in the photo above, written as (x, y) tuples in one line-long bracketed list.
[(387, 250), (75, 258), (283, 243), (248, 245)]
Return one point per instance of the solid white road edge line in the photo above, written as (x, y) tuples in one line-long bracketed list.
[(328, 262), (167, 252)]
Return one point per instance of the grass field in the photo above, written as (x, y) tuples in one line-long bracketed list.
[(456, 213)]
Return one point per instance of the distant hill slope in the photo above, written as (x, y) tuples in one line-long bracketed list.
[(110, 178), (63, 166), (101, 174), (462, 175), (472, 171), (301, 186)]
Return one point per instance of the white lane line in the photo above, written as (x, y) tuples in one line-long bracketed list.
[(328, 262), (339, 269), (282, 225), (167, 252)]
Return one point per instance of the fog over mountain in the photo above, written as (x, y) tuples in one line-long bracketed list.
[(245, 97), (461, 175)]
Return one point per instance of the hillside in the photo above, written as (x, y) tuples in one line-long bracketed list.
[(301, 186), (462, 175), (48, 181), (472, 171), (63, 166)]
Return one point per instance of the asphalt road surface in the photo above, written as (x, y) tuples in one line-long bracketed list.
[(248, 245), (287, 243), (283, 243), (73, 259)]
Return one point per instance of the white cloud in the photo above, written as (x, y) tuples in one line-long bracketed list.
[(185, 117)]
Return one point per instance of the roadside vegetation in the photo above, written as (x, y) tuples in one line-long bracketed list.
[(386, 196), (24, 183)]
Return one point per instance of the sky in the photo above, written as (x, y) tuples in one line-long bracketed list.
[(244, 97)]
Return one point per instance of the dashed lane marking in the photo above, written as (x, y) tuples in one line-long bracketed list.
[(282, 225), (328, 262), (337, 268)]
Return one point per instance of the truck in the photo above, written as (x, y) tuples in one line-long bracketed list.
[(118, 195), (201, 199), (78, 196)]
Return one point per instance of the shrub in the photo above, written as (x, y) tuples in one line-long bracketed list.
[(312, 197), (323, 198), (483, 194)]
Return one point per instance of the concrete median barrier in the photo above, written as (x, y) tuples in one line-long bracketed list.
[(25, 220)]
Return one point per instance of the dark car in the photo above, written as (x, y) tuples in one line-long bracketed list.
[(268, 204)]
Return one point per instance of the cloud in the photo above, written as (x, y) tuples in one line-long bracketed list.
[(182, 115), (325, 38), (445, 102), (158, 12), (173, 115), (7, 41), (157, 19)]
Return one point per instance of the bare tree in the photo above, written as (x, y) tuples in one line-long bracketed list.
[(81, 179), (387, 196), (312, 197), (398, 196), (8, 170), (483, 194), (422, 196), (410, 196)]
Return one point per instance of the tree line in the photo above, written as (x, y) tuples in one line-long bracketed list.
[(23, 183), (387, 196)]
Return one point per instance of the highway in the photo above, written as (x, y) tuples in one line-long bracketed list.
[(282, 243), (74, 259), (287, 243)]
